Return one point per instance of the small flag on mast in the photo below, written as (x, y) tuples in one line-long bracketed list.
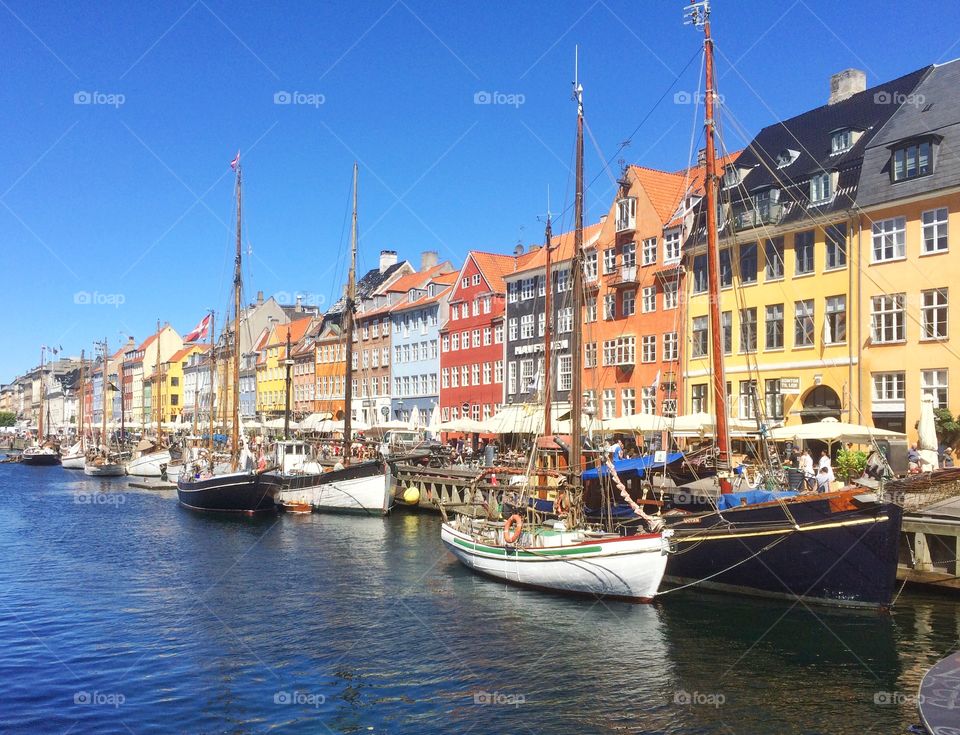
[(656, 381), (235, 162), (200, 331)]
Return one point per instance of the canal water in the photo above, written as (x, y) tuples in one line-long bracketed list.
[(121, 612)]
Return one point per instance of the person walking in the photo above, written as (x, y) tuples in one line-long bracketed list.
[(806, 466)]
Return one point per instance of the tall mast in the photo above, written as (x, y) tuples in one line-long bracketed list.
[(576, 397), (155, 396), (40, 427), (103, 397), (286, 385), (348, 327), (548, 329), (237, 288), (81, 391), (698, 14), (213, 368)]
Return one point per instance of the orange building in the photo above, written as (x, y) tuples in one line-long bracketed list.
[(330, 370)]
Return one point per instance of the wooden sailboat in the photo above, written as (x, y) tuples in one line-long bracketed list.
[(838, 548), (565, 555), (151, 457), (40, 453), (361, 487), (101, 462), (244, 487), (75, 457)]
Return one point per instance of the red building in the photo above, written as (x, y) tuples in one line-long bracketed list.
[(471, 340)]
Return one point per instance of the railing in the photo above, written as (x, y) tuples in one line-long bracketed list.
[(626, 275), (626, 223), (768, 213)]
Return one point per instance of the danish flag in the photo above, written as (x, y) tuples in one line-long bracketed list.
[(235, 162), (200, 331)]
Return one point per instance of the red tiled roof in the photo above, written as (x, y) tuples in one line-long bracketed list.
[(423, 301), (562, 248), (495, 266), (180, 354), (418, 279)]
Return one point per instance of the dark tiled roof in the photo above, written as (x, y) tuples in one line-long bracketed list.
[(370, 282)]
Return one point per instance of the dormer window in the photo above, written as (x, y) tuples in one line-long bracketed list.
[(840, 141), (912, 160), (786, 157), (822, 187), (731, 176)]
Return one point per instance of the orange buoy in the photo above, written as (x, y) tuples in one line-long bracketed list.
[(512, 529)]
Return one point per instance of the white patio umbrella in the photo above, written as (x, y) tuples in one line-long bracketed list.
[(927, 431), (278, 424), (465, 426), (314, 420), (434, 426), (693, 424), (831, 431), (639, 422)]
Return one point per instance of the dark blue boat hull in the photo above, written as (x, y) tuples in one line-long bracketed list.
[(242, 492)]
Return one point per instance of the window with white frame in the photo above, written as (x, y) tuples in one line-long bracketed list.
[(748, 329), (542, 285), (590, 355), (528, 288), (609, 403), (527, 381), (773, 259), (629, 254), (889, 387), (565, 372), (475, 373), (455, 341), (445, 378), (609, 260), (541, 323), (888, 318), (475, 279), (934, 222), (526, 326), (565, 320), (562, 281), (512, 328), (671, 294), (487, 300), (698, 398), (671, 346), (511, 377), (803, 329), (912, 160), (628, 401), (821, 188), (835, 326), (465, 375), (487, 336), (590, 309), (803, 250), (610, 306), (629, 302), (648, 301), (840, 141), (933, 313), (726, 331), (934, 383), (620, 351), (671, 245), (773, 327), (747, 408), (649, 251), (475, 308), (889, 239), (498, 334), (836, 237), (513, 292), (590, 265), (648, 350), (498, 371), (698, 341), (454, 378), (453, 312), (773, 398), (476, 337), (649, 400), (463, 310)]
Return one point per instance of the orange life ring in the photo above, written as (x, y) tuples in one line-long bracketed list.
[(560, 505), (512, 529)]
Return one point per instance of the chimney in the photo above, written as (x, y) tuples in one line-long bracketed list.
[(428, 259), (299, 307), (259, 298), (845, 84), (702, 157), (387, 258), (603, 218)]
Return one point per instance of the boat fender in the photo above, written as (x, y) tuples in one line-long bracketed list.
[(512, 529)]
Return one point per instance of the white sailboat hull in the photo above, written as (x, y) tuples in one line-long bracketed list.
[(150, 465), (629, 568), (372, 494), (73, 461), (107, 469)]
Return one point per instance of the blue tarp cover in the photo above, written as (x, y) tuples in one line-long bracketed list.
[(627, 467), (749, 497)]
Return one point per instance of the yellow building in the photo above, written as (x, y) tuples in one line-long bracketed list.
[(789, 265), (271, 367), (166, 386)]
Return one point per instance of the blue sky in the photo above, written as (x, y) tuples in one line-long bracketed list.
[(123, 198)]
